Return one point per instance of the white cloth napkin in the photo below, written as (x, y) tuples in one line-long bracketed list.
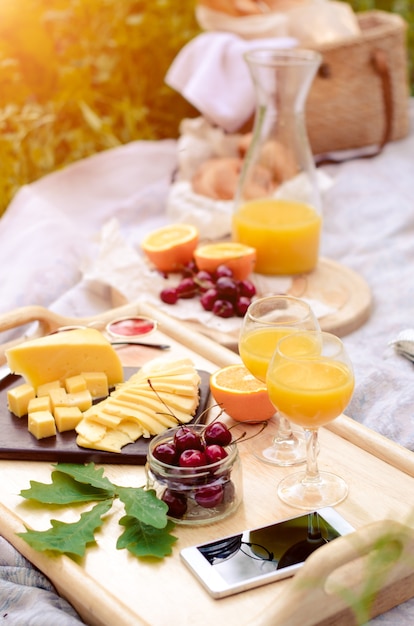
[(211, 73)]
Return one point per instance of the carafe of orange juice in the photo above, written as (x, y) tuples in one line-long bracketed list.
[(277, 203)]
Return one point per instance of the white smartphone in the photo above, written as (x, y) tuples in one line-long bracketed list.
[(263, 555)]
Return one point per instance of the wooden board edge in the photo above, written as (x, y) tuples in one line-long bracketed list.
[(79, 588), (374, 443)]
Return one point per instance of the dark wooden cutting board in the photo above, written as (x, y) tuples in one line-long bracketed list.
[(16, 443)]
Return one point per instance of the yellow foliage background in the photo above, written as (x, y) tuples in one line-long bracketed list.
[(81, 76)]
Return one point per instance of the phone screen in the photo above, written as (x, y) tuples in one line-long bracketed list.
[(253, 557)]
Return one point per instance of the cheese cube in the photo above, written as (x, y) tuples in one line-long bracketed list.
[(81, 399), (97, 383), (62, 355), (44, 390), (39, 404), (73, 384), (41, 424), (18, 399), (58, 397), (67, 417)]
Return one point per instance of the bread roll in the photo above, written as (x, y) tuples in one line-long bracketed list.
[(218, 178)]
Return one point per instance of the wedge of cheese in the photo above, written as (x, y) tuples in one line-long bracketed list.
[(62, 355)]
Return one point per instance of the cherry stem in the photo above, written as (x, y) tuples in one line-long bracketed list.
[(170, 412), (203, 413), (243, 437)]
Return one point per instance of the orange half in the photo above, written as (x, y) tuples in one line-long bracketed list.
[(241, 259), (171, 247), (240, 394)]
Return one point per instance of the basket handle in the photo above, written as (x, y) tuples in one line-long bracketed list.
[(381, 66)]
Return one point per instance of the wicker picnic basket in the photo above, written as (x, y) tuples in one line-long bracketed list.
[(360, 96)]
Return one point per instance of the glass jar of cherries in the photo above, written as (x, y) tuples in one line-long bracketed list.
[(196, 470)]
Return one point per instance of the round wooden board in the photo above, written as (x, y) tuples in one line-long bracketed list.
[(330, 283), (340, 287)]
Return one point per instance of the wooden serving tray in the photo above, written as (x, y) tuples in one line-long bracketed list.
[(18, 444), (109, 586)]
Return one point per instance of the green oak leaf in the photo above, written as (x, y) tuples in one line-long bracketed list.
[(69, 538), (144, 505), (64, 490), (143, 540), (88, 474)]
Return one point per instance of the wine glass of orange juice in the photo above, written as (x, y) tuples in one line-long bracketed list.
[(266, 321), (310, 379)]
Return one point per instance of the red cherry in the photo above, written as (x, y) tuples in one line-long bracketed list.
[(177, 503), (208, 299), (242, 305), (215, 453), (187, 288), (166, 453), (169, 295), (227, 288), (186, 438), (247, 288), (204, 281), (223, 270), (223, 308), (217, 433), (192, 458), (209, 496)]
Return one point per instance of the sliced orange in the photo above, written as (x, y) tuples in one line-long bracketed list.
[(241, 259), (240, 394), (171, 247)]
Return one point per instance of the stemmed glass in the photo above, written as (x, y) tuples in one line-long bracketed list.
[(266, 321), (310, 379)]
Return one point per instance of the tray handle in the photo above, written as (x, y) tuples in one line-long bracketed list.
[(368, 561), (48, 321)]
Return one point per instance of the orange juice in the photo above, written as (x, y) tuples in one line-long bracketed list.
[(256, 349), (284, 233), (310, 393)]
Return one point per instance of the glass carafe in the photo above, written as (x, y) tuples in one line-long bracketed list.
[(277, 203)]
